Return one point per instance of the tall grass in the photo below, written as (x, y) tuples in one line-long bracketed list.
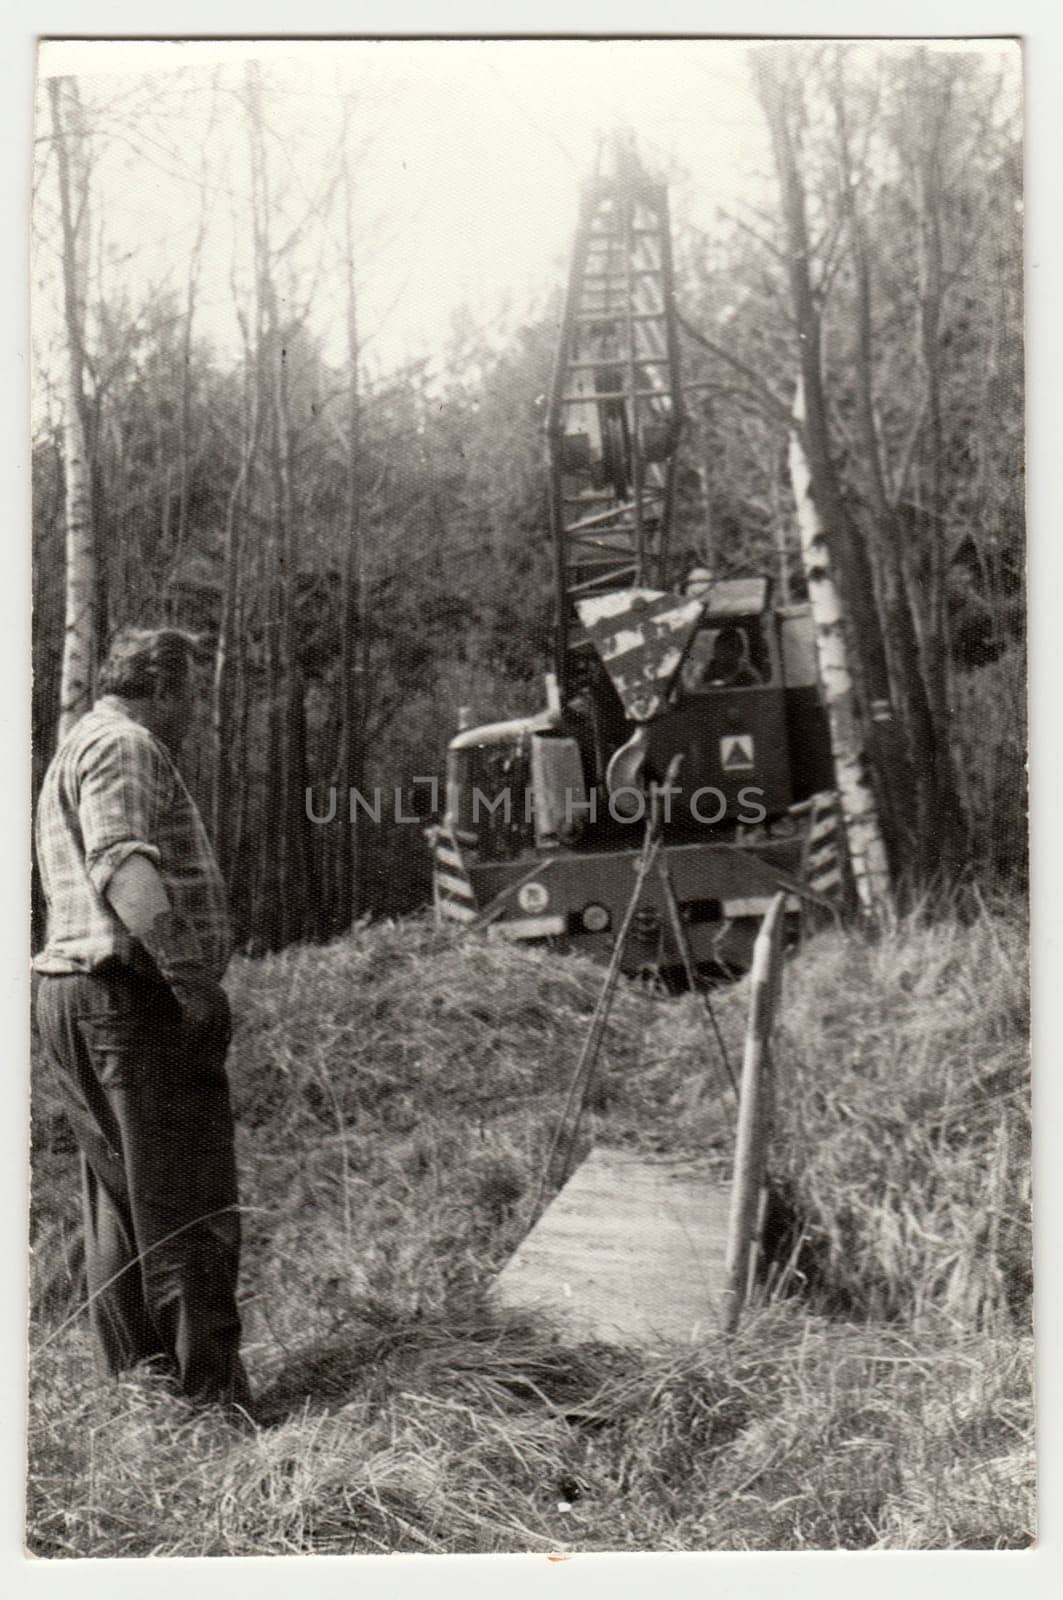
[(397, 1094), (905, 1120), (989, 730)]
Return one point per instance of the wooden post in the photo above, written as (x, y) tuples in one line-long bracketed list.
[(754, 1114)]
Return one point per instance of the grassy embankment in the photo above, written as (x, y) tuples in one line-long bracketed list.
[(397, 1097)]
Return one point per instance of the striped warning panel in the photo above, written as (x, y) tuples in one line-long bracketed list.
[(641, 636), (455, 898), (823, 846)]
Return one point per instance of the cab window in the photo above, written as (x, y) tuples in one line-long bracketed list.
[(730, 655)]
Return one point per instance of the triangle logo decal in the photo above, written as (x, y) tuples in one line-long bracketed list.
[(736, 752)]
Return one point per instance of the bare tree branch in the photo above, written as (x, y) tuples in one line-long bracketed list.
[(766, 396)]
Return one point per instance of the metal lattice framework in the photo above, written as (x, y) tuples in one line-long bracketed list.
[(614, 413)]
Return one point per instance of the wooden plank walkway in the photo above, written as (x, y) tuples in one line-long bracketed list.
[(653, 1252), (631, 1252)]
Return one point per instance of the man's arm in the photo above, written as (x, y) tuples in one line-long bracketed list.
[(138, 897)]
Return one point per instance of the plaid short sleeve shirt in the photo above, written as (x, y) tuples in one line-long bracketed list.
[(112, 791)]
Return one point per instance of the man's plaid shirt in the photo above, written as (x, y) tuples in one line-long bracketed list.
[(112, 791)]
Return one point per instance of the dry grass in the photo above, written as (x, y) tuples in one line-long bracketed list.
[(397, 1095), (905, 1120), (989, 729)]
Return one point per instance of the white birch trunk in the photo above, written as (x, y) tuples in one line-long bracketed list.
[(867, 852), (78, 677), (79, 635)]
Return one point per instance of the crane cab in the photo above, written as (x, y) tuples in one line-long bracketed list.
[(746, 715)]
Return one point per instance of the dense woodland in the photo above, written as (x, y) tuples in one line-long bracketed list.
[(365, 551)]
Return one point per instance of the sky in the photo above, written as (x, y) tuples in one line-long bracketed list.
[(467, 195), (470, 156)]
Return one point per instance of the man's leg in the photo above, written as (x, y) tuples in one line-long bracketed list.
[(158, 1114), (123, 1331), (117, 1313), (183, 1186)]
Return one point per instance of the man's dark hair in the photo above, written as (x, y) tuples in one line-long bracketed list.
[(144, 662)]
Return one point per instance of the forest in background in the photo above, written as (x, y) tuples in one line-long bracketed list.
[(366, 550)]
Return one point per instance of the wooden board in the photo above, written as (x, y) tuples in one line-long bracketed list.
[(631, 1252), (754, 1114)]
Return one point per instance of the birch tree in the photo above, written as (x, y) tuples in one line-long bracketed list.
[(856, 796), (81, 625), (228, 781)]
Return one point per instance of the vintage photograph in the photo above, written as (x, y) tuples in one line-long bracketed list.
[(530, 1044)]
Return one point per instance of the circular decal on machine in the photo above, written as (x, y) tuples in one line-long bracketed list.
[(533, 897)]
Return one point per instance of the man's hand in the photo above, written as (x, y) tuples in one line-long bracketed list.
[(139, 898), (204, 1011)]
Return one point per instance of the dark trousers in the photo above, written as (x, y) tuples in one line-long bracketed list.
[(162, 1230)]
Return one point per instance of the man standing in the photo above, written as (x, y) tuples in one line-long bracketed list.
[(136, 1024)]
